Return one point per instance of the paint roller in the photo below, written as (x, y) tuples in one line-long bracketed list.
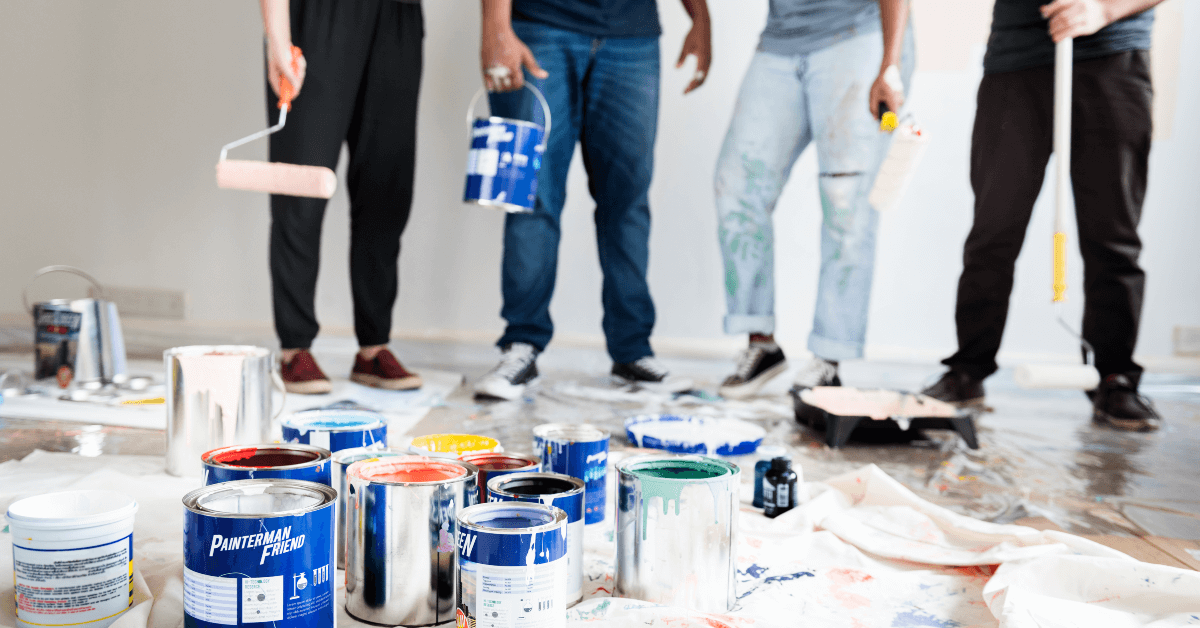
[(1072, 376), (274, 177)]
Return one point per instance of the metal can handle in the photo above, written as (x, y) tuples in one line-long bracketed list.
[(536, 92), (277, 379), (58, 269)]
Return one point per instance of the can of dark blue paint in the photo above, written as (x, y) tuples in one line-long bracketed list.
[(512, 566), (560, 491), (495, 464), (505, 157), (283, 461), (336, 430), (580, 451), (259, 552)]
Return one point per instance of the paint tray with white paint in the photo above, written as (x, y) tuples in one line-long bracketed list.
[(694, 434), (841, 411)]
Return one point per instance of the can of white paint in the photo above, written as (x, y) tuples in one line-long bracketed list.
[(72, 558), (676, 531)]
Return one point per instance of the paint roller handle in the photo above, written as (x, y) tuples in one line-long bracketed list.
[(1063, 61), (887, 118), (286, 92)]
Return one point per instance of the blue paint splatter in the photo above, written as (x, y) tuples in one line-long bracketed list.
[(791, 576), (754, 571), (916, 618)]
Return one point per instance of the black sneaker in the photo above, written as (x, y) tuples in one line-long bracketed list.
[(650, 374), (957, 389), (758, 364), (516, 371), (1118, 404)]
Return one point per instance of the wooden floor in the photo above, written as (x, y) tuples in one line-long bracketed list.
[(1151, 549)]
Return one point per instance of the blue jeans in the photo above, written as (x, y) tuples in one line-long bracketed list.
[(604, 94), (785, 103)]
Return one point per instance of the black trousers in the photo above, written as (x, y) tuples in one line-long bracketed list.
[(1010, 146), (363, 79)]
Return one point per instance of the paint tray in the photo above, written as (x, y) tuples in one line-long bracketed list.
[(872, 413), (694, 434)]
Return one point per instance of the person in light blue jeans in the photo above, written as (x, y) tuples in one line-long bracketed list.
[(820, 73)]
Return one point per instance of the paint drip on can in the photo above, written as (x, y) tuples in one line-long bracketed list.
[(512, 566), (560, 491), (251, 462), (580, 451), (259, 552), (336, 430), (494, 465)]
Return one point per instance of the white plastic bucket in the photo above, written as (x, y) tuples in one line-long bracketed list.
[(72, 558)]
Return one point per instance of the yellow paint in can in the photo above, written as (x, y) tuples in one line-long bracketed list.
[(454, 445)]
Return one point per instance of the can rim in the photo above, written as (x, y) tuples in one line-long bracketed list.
[(470, 476), (325, 495), (571, 432), (512, 121), (625, 467), (374, 420), (511, 208), (476, 457), (464, 515), (246, 351), (117, 507), (340, 456), (578, 485), (322, 455)]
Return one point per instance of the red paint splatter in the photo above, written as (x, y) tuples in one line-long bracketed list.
[(752, 542), (603, 589), (849, 576)]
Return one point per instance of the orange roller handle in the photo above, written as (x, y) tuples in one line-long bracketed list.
[(286, 92)]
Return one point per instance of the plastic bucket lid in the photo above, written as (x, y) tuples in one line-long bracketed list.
[(71, 510)]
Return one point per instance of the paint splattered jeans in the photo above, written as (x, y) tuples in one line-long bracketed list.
[(785, 103)]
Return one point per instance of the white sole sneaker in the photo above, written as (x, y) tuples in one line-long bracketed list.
[(751, 388), (496, 388), (669, 386)]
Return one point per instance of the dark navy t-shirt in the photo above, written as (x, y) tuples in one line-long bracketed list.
[(597, 18), (1020, 37)]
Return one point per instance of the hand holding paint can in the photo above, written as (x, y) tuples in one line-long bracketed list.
[(580, 451)]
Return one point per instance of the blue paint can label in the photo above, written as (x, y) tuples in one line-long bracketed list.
[(503, 163), (304, 463), (562, 492), (336, 430), (580, 451), (259, 551)]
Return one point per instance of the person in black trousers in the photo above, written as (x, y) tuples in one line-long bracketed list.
[(357, 82), (1110, 147)]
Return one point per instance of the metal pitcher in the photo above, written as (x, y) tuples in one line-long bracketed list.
[(77, 340), (217, 396)]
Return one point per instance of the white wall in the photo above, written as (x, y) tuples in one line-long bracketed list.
[(112, 114)]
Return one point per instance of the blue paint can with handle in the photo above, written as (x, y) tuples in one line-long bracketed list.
[(504, 159)]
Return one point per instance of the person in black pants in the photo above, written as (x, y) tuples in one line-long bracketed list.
[(1110, 147), (357, 82)]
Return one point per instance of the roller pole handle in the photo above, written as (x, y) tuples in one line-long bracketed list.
[(1063, 60), (286, 92)]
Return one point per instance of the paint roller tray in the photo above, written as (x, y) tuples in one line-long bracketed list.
[(694, 434), (871, 413)]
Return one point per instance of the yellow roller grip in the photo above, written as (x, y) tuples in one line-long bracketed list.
[(888, 122), (1060, 267)]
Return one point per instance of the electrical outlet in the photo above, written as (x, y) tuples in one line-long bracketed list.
[(1187, 341), (146, 302)]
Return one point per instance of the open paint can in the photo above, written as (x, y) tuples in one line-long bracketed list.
[(512, 559), (676, 531), (453, 445), (580, 451), (560, 491), (259, 553), (341, 462), (336, 430), (251, 462), (494, 465), (72, 558), (400, 531)]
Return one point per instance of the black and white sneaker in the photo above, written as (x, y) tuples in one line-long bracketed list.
[(817, 372), (757, 365), (649, 374), (516, 371)]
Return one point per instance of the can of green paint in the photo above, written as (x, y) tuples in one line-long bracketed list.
[(676, 531)]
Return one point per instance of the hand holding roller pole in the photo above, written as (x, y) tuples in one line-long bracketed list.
[(272, 177)]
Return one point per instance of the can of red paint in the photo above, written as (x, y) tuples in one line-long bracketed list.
[(560, 491), (493, 465), (283, 461), (512, 563), (336, 430), (580, 451), (259, 552), (341, 462), (400, 531)]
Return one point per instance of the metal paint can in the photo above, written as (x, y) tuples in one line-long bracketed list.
[(580, 451), (341, 462), (494, 465), (505, 157), (56, 340), (277, 460), (552, 489), (676, 531), (259, 552), (452, 445), (336, 430), (512, 566), (400, 531)]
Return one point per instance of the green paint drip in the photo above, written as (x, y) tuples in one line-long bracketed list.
[(666, 479)]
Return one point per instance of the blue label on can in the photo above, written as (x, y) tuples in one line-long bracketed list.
[(273, 570), (336, 430), (318, 472), (566, 502), (503, 163), (587, 461)]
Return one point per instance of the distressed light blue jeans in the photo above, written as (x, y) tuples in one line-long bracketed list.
[(785, 103)]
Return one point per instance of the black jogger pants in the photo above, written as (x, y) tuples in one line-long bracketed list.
[(361, 87), (1010, 146)]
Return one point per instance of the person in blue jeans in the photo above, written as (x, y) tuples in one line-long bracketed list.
[(822, 69), (597, 63)]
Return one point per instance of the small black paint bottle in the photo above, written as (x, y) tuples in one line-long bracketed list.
[(779, 488)]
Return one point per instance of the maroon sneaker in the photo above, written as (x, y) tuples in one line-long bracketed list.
[(302, 375), (385, 371)]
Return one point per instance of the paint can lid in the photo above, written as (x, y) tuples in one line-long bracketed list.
[(69, 510)]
